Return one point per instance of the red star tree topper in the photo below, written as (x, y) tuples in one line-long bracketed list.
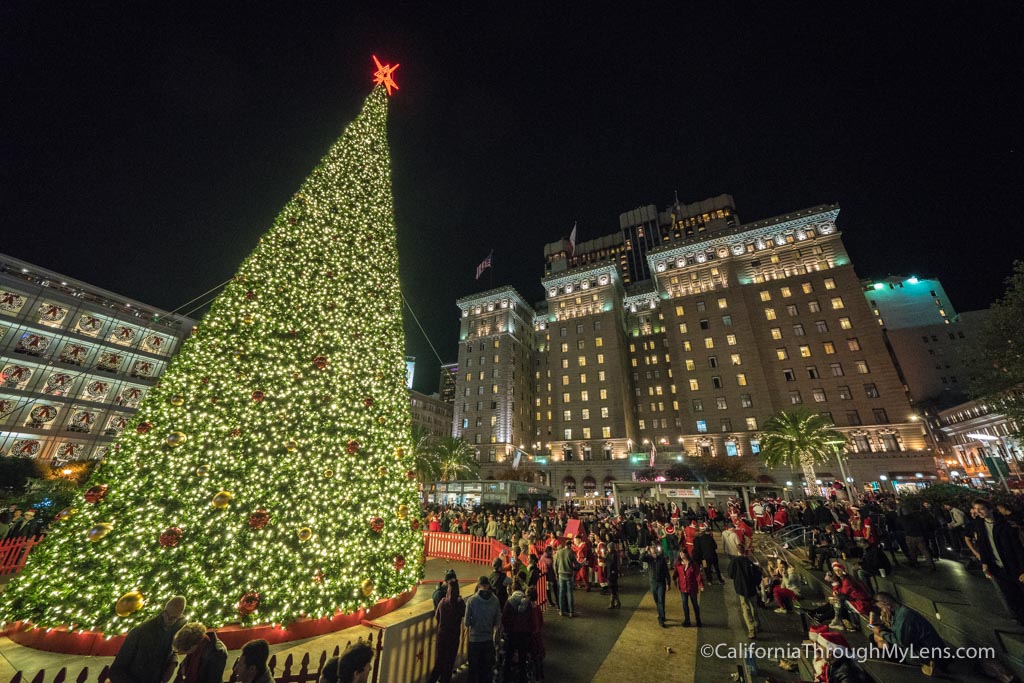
[(384, 75)]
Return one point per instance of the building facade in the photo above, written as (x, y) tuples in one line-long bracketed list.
[(929, 342), (901, 301), (446, 384), (735, 324), (75, 361), (975, 438), (431, 413)]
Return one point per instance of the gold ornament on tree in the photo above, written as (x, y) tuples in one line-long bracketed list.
[(403, 511), (177, 400), (202, 470), (129, 603), (367, 587), (290, 446), (175, 439), (222, 499), (305, 533), (98, 531)]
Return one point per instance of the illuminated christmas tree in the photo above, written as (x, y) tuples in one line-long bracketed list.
[(267, 477)]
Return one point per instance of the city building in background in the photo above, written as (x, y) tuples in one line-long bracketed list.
[(496, 353), (446, 385), (735, 323), (898, 302), (431, 413), (75, 361), (930, 343), (978, 445)]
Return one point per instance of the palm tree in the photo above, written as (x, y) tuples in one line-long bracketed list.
[(424, 459), (800, 439), (455, 457)]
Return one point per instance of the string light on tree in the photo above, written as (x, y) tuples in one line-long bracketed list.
[(263, 478)]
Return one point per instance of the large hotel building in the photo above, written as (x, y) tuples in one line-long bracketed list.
[(685, 331), (75, 361)]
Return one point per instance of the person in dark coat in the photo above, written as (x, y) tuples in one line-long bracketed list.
[(746, 579), (146, 655), (659, 577), (517, 620), (450, 611), (1002, 556), (705, 554), (205, 656), (612, 571)]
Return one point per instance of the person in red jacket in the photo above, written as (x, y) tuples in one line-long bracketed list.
[(434, 525), (690, 533), (848, 592), (582, 551), (781, 518), (690, 583), (745, 533)]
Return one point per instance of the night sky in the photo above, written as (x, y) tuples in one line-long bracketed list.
[(146, 149)]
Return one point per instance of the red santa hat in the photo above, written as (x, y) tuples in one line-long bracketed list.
[(838, 565), (832, 642), (669, 529)]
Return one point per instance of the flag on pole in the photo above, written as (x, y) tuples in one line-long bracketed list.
[(484, 265), (515, 460), (654, 454), (572, 241)]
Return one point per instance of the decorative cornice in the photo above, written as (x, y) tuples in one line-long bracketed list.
[(735, 240), (577, 276), (495, 296)]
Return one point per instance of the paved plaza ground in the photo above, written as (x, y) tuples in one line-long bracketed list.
[(601, 644)]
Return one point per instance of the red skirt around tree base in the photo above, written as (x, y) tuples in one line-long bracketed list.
[(234, 637)]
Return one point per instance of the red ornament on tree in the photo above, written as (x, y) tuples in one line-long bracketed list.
[(248, 603), (250, 295), (409, 474), (96, 494), (368, 401), (415, 524), (258, 396), (352, 447), (259, 519), (237, 431), (143, 427), (320, 362), (170, 537), (377, 525), (399, 563), (205, 380)]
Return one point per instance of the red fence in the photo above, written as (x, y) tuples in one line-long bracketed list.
[(14, 552), (466, 548), (461, 547)]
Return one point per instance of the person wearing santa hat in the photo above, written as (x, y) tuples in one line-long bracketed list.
[(780, 519), (832, 653), (689, 534), (849, 593)]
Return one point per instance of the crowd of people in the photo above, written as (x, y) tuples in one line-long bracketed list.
[(854, 543), (17, 523), (150, 654), (555, 552)]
